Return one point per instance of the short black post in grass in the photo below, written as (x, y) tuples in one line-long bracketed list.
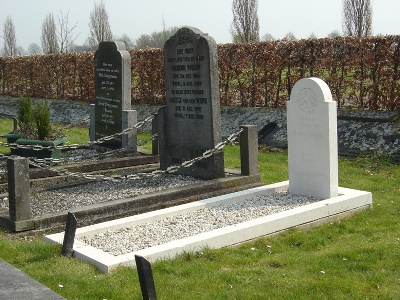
[(249, 150), (69, 236), (145, 278)]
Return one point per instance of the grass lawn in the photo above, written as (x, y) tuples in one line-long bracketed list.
[(356, 258)]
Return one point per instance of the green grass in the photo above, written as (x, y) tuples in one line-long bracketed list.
[(76, 134), (355, 258)]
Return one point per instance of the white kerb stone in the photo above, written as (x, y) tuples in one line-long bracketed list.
[(312, 140)]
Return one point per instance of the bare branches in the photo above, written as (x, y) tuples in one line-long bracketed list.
[(34, 49), (155, 40), (357, 18), (245, 26), (49, 35), (10, 41), (99, 25), (65, 32)]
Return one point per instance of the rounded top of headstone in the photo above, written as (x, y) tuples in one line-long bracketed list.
[(193, 29), (188, 35), (313, 89), (112, 46)]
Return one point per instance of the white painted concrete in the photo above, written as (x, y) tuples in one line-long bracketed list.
[(348, 200), (312, 140)]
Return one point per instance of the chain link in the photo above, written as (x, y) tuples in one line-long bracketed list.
[(41, 163)]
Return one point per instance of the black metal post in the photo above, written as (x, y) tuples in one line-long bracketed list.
[(145, 278), (69, 235)]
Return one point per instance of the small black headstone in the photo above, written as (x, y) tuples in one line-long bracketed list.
[(112, 83), (69, 235), (145, 278)]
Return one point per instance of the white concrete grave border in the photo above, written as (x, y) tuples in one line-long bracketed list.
[(348, 201)]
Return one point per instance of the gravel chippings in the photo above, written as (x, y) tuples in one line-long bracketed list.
[(96, 192), (139, 237)]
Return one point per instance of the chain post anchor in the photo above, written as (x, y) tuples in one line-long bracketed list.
[(248, 150)]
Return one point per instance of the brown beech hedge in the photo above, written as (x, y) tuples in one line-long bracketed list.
[(361, 73)]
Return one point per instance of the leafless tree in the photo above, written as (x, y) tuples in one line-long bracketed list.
[(49, 35), (268, 37), (155, 40), (290, 36), (127, 41), (99, 25), (334, 34), (357, 18), (20, 51), (245, 26), (312, 36), (65, 34), (34, 49), (10, 41)]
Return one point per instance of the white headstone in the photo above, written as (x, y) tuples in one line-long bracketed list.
[(312, 140)]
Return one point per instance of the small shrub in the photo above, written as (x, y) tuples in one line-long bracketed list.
[(25, 116), (34, 120), (42, 120)]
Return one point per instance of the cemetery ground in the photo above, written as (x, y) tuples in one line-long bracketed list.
[(355, 258)]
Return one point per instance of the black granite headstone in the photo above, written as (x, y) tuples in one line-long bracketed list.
[(145, 278), (112, 82), (191, 122)]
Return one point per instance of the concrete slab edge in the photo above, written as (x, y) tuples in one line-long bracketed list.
[(347, 200)]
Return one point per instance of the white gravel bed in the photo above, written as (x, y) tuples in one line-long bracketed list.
[(139, 237), (52, 201)]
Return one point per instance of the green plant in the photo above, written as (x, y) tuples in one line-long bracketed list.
[(42, 120), (34, 120), (25, 116)]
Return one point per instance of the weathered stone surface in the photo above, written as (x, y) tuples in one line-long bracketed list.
[(18, 189), (249, 150), (15, 284), (191, 122), (129, 119)]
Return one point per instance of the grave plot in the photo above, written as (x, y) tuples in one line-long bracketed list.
[(348, 201), (313, 173), (120, 195), (103, 197)]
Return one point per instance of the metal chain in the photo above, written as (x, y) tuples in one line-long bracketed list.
[(92, 156), (172, 169), (77, 146)]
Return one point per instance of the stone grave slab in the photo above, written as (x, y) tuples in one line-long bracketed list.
[(312, 140), (190, 124), (112, 81), (346, 203)]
